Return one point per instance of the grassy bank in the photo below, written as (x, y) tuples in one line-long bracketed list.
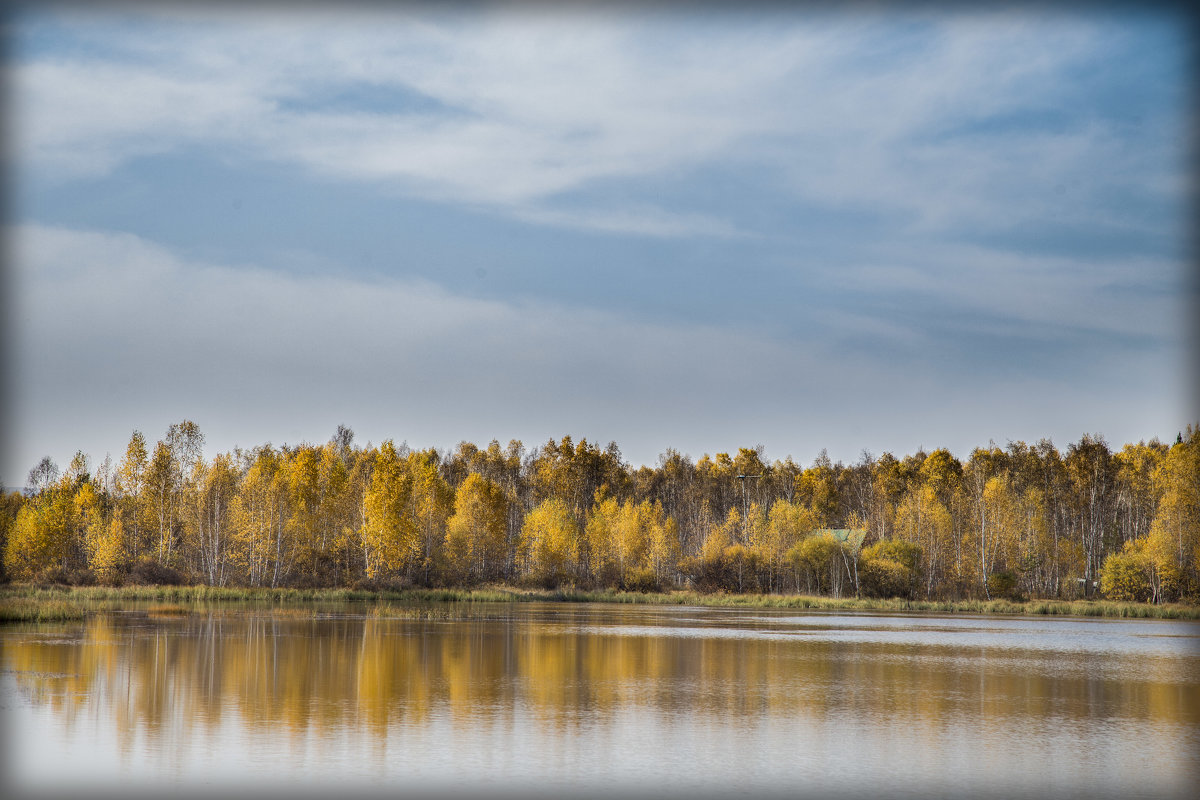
[(1079, 608), (19, 608), (41, 604)]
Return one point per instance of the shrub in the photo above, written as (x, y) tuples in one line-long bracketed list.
[(383, 584), (150, 572), (905, 553), (885, 577), (641, 580), (821, 559), (734, 569), (67, 577), (890, 568), (1003, 584), (1124, 577)]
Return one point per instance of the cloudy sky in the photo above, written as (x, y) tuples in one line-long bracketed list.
[(689, 227)]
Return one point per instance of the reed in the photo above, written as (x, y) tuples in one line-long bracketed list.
[(40, 610), (453, 611), (41, 603), (169, 610)]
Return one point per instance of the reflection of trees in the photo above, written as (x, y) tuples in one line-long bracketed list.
[(282, 674)]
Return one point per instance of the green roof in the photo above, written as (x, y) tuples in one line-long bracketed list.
[(846, 535)]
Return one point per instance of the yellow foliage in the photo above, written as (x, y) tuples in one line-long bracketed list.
[(25, 553), (721, 536), (603, 557), (550, 541), (1124, 576), (258, 513), (475, 534), (922, 519), (786, 524), (819, 556), (106, 546), (389, 535), (1175, 532)]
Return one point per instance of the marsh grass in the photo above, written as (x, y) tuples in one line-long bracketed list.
[(22, 609), (438, 612), (35, 604), (169, 610)]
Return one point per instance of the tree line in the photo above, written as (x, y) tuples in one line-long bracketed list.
[(1018, 521)]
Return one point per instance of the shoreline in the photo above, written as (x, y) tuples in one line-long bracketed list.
[(34, 603)]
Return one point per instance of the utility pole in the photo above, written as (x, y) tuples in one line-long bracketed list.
[(745, 508)]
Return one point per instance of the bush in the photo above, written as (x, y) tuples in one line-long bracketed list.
[(1003, 584), (67, 577), (1124, 577), (735, 569), (906, 553), (885, 577), (819, 557), (383, 584), (641, 580), (149, 572)]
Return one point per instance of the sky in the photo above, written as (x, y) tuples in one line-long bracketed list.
[(685, 227)]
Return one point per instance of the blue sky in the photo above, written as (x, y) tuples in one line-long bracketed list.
[(683, 228)]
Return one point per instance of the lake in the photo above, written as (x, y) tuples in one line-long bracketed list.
[(545, 699)]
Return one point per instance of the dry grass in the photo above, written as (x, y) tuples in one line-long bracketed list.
[(24, 609), (38, 604)]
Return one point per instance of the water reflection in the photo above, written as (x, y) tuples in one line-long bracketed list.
[(613, 699)]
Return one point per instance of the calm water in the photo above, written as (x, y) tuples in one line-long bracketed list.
[(609, 700)]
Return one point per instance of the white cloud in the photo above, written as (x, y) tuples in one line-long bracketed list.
[(644, 220), (545, 103), (512, 112), (115, 332), (1115, 296)]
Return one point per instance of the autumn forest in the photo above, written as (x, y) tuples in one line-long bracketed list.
[(1015, 521)]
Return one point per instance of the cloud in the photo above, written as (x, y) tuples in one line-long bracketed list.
[(1111, 300), (643, 220), (870, 190), (512, 110), (115, 332)]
